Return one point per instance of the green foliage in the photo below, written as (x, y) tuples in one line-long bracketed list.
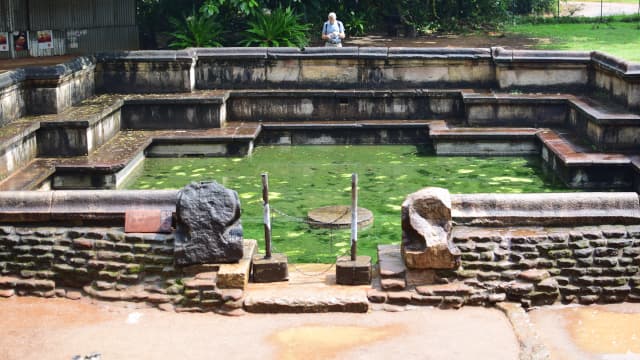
[(243, 7), (280, 27), (196, 30), (355, 23), (525, 7)]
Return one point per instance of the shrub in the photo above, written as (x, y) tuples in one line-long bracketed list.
[(280, 27), (196, 30)]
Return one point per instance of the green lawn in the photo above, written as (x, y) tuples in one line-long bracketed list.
[(621, 39)]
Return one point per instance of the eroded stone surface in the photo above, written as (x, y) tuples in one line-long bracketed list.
[(208, 225), (426, 226)]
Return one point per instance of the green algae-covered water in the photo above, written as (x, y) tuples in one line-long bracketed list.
[(302, 178)]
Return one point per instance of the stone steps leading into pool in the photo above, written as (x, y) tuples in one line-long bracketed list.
[(109, 165), (608, 126)]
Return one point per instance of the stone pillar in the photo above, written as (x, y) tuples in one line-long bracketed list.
[(426, 230)]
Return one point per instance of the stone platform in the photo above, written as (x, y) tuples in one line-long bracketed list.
[(311, 289)]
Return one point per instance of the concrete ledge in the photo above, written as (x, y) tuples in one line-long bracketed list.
[(439, 53), (619, 66), (61, 70), (501, 55), (557, 209), (80, 205)]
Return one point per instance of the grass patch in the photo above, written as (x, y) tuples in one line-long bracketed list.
[(302, 178), (621, 39)]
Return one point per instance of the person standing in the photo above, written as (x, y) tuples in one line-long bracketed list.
[(333, 31)]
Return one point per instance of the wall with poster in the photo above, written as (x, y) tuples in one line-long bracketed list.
[(4, 41), (45, 39), (20, 41)]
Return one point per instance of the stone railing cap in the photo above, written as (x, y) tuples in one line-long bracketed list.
[(231, 53), (148, 55), (59, 70), (11, 78), (615, 64), (553, 56), (313, 52), (439, 53)]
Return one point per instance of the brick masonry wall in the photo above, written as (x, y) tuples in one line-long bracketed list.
[(542, 265), (106, 264)]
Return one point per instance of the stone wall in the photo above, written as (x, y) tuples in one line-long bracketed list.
[(540, 266), (12, 96), (52, 89), (50, 248)]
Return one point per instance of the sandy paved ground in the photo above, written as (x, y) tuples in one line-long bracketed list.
[(597, 332), (32, 328)]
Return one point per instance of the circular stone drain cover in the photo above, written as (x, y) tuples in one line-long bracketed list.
[(338, 216)]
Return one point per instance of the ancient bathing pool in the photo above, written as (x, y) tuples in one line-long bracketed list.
[(306, 177)]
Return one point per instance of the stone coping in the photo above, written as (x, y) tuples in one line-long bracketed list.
[(502, 55), (617, 65), (364, 124), (607, 115), (61, 70), (12, 77), (53, 72), (573, 155), (186, 55), (547, 209), (357, 93), (45, 206), (556, 209), (15, 132)]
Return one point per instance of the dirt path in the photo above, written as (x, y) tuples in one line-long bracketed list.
[(32, 328)]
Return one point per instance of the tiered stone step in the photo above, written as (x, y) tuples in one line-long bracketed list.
[(483, 140), (611, 127), (107, 167), (317, 132), (580, 166)]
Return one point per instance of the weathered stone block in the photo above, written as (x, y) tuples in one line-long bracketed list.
[(426, 228), (271, 269), (376, 296), (208, 225), (353, 272), (605, 262)]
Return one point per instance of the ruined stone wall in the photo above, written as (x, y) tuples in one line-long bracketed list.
[(107, 264), (542, 265), (46, 258)]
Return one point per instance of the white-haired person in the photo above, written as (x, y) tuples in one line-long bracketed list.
[(333, 31)]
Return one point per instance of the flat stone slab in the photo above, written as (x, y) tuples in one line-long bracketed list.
[(390, 262), (311, 288), (338, 216), (236, 276)]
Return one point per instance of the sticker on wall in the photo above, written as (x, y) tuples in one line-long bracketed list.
[(45, 39), (4, 41), (20, 42)]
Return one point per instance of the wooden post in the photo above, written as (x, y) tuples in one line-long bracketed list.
[(354, 215), (267, 215)]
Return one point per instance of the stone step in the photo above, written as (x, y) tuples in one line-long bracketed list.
[(311, 288), (306, 300)]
